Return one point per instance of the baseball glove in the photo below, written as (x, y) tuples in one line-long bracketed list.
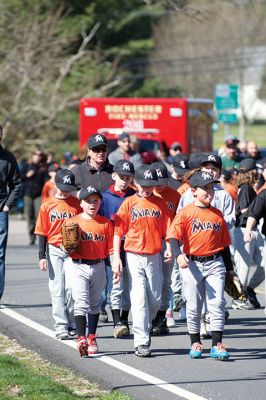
[(233, 286), (70, 236)]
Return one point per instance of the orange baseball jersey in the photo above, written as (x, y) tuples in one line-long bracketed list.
[(202, 231), (48, 190), (171, 197), (96, 238), (144, 223), (52, 215)]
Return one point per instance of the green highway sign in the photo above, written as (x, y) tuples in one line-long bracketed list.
[(226, 97), (227, 118)]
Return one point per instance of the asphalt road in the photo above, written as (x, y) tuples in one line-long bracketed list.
[(25, 314)]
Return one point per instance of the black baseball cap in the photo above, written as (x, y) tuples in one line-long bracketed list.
[(232, 141), (123, 136), (162, 173), (65, 180), (145, 175), (200, 179), (248, 164), (54, 167), (180, 164), (97, 140), (176, 146), (212, 158), (195, 160), (124, 167), (87, 191)]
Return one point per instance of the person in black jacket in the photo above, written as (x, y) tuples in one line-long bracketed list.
[(95, 170), (34, 175), (10, 185)]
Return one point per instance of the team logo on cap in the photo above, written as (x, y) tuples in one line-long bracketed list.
[(148, 174), (159, 173), (99, 138), (90, 189), (211, 158), (126, 166), (206, 175), (182, 164), (66, 179)]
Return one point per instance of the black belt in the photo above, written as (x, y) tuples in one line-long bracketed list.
[(204, 258), (88, 262)]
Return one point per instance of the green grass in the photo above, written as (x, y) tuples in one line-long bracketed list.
[(24, 375), (256, 133)]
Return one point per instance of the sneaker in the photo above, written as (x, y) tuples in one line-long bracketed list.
[(163, 328), (252, 297), (125, 322), (62, 334), (196, 350), (120, 330), (92, 344), (205, 332), (82, 345), (170, 322), (103, 317), (219, 352), (72, 331), (159, 327), (242, 305), (143, 351)]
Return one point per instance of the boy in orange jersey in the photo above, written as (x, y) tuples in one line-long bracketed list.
[(51, 216), (202, 231), (164, 318), (143, 219), (49, 189), (88, 276)]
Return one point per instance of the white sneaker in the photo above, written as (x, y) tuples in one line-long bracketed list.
[(61, 334), (242, 305), (205, 330), (170, 322)]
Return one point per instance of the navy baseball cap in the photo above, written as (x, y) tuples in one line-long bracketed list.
[(201, 178), (211, 158), (195, 160), (248, 164), (145, 175), (65, 180), (87, 191), (124, 167), (162, 173), (232, 141), (123, 136), (54, 167), (97, 140), (180, 164)]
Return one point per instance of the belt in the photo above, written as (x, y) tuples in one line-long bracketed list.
[(204, 258), (88, 262)]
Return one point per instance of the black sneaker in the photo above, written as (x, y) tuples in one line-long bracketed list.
[(164, 330), (143, 351), (252, 297)]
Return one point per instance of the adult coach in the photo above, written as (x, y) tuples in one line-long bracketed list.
[(9, 192), (95, 170), (124, 151)]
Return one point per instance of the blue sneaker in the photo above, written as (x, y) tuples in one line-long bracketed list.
[(196, 350), (219, 352)]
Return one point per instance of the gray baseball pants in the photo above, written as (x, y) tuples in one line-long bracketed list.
[(60, 288), (145, 283), (200, 280)]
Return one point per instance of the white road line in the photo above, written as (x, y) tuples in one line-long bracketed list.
[(107, 360)]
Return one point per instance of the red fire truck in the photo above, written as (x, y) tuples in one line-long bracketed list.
[(157, 122)]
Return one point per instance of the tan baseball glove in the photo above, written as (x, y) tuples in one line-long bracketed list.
[(70, 236), (233, 286)]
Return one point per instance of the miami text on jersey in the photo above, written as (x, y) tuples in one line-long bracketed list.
[(198, 226), (92, 236), (55, 215), (143, 212)]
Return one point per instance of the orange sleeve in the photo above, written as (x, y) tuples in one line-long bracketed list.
[(121, 221), (41, 227), (176, 228), (110, 238)]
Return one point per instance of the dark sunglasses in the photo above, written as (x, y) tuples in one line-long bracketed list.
[(99, 149)]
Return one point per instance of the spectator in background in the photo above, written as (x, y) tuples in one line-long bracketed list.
[(242, 146), (175, 149), (231, 158), (95, 170), (227, 182), (9, 193), (34, 175), (162, 157), (124, 152), (253, 151), (49, 189)]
